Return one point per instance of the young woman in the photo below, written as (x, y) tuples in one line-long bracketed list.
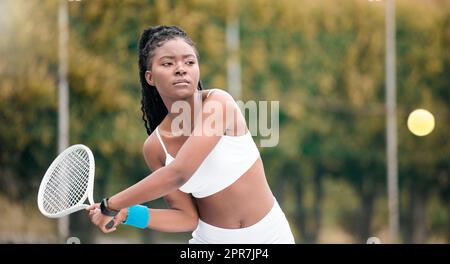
[(207, 167)]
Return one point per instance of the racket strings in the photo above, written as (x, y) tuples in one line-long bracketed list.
[(58, 188), (68, 182), (70, 188), (59, 193)]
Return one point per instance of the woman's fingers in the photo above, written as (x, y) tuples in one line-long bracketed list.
[(100, 220), (93, 206), (116, 222), (104, 223), (92, 212)]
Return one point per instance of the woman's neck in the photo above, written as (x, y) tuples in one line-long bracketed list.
[(182, 114)]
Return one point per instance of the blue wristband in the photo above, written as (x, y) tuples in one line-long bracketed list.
[(138, 216)]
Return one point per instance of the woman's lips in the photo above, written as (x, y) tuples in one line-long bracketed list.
[(182, 82)]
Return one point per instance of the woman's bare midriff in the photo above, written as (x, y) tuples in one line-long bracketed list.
[(241, 204)]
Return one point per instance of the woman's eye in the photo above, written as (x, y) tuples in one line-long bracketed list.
[(166, 64), (190, 62)]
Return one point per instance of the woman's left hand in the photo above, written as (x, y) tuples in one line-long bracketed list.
[(99, 219)]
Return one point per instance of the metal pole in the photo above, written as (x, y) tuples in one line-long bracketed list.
[(391, 122), (63, 99), (233, 61)]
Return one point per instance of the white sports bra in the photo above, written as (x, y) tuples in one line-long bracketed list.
[(226, 163)]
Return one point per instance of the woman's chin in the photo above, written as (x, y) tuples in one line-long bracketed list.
[(184, 92)]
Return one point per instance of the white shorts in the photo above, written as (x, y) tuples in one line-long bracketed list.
[(272, 229)]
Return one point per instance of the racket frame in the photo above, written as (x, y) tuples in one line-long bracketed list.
[(89, 194)]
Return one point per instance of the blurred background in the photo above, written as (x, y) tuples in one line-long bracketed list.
[(323, 60)]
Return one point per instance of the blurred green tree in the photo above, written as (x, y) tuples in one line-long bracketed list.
[(323, 60)]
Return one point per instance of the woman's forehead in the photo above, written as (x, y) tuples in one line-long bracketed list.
[(175, 47)]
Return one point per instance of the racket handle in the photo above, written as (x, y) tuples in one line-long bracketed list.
[(110, 224)]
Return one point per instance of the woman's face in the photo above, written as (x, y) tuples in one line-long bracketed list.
[(174, 70)]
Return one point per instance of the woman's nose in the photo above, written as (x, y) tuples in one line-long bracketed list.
[(180, 69)]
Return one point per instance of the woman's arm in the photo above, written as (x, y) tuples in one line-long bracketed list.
[(168, 179), (182, 215)]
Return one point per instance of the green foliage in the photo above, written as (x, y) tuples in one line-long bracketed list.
[(323, 60)]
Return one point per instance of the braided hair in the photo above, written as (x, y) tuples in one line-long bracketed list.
[(152, 106)]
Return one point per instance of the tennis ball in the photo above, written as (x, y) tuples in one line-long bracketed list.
[(420, 122)]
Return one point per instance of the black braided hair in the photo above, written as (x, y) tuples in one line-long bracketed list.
[(152, 106)]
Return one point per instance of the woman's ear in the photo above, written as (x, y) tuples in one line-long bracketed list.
[(149, 78)]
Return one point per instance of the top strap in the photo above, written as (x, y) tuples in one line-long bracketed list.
[(209, 92), (160, 140)]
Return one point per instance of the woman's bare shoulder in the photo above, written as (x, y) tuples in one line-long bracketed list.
[(152, 151), (216, 92), (218, 96)]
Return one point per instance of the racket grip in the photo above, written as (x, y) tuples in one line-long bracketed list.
[(110, 224)]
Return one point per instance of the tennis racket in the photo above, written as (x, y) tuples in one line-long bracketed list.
[(67, 183)]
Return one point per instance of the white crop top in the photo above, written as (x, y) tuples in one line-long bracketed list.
[(225, 164)]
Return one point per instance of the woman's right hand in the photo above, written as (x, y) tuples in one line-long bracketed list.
[(94, 210)]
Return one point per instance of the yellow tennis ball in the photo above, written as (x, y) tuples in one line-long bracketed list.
[(420, 122)]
